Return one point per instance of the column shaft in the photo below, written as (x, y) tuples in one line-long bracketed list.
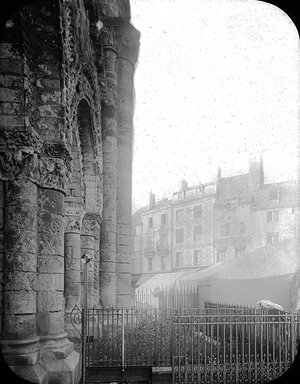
[(124, 177), (108, 226), (20, 344), (88, 246)]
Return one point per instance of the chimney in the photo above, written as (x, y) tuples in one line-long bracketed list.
[(256, 171), (219, 175), (184, 184), (151, 200)]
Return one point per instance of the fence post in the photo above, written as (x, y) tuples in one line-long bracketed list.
[(123, 341), (293, 336), (155, 340)]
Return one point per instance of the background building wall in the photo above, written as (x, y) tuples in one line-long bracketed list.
[(235, 219)]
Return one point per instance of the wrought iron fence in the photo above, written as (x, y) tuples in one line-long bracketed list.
[(168, 297), (128, 337), (233, 348)]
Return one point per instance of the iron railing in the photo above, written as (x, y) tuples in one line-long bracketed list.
[(167, 297), (233, 348)]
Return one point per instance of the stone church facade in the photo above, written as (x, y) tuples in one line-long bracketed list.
[(66, 92)]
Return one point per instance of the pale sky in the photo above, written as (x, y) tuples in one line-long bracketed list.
[(217, 83)]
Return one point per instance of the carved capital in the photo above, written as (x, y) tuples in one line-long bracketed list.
[(24, 156), (108, 36), (19, 154), (73, 219), (91, 225), (55, 167)]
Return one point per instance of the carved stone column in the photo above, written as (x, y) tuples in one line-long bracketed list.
[(20, 344), (60, 359), (90, 226), (73, 226), (109, 145), (127, 56)]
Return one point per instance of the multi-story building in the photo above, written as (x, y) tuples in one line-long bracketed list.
[(174, 234), (249, 214), (156, 236), (273, 213), (209, 223), (192, 229)]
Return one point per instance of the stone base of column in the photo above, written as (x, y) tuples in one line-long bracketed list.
[(61, 361), (22, 357)]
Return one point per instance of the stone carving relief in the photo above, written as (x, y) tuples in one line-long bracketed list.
[(91, 225), (73, 219), (19, 154)]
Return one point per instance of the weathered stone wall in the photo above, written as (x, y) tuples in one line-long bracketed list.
[(65, 175)]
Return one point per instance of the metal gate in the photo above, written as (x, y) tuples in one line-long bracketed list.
[(233, 348)]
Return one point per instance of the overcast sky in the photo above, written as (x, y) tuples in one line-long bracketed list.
[(217, 83)]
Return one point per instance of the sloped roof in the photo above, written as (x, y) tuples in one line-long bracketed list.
[(161, 280), (270, 260)]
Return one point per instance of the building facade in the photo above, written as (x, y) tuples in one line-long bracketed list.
[(66, 91), (174, 234), (192, 213), (249, 213), (213, 222)]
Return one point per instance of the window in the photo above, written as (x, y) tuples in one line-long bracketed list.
[(197, 260), (272, 237), (239, 251), (149, 241), (163, 219), (150, 222), (232, 229), (150, 264), (197, 232), (220, 255), (179, 235), (163, 239), (274, 193), (179, 215), (272, 216), (178, 259), (198, 212)]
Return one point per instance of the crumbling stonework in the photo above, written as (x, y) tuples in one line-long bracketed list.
[(66, 92)]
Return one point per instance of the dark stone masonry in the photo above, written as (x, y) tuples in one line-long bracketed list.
[(66, 92)]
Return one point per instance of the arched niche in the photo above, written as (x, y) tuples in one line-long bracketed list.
[(82, 230)]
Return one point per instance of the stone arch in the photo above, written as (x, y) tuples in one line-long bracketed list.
[(86, 112), (82, 230), (89, 165)]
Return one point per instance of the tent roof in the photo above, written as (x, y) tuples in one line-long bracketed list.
[(270, 260), (161, 280)]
